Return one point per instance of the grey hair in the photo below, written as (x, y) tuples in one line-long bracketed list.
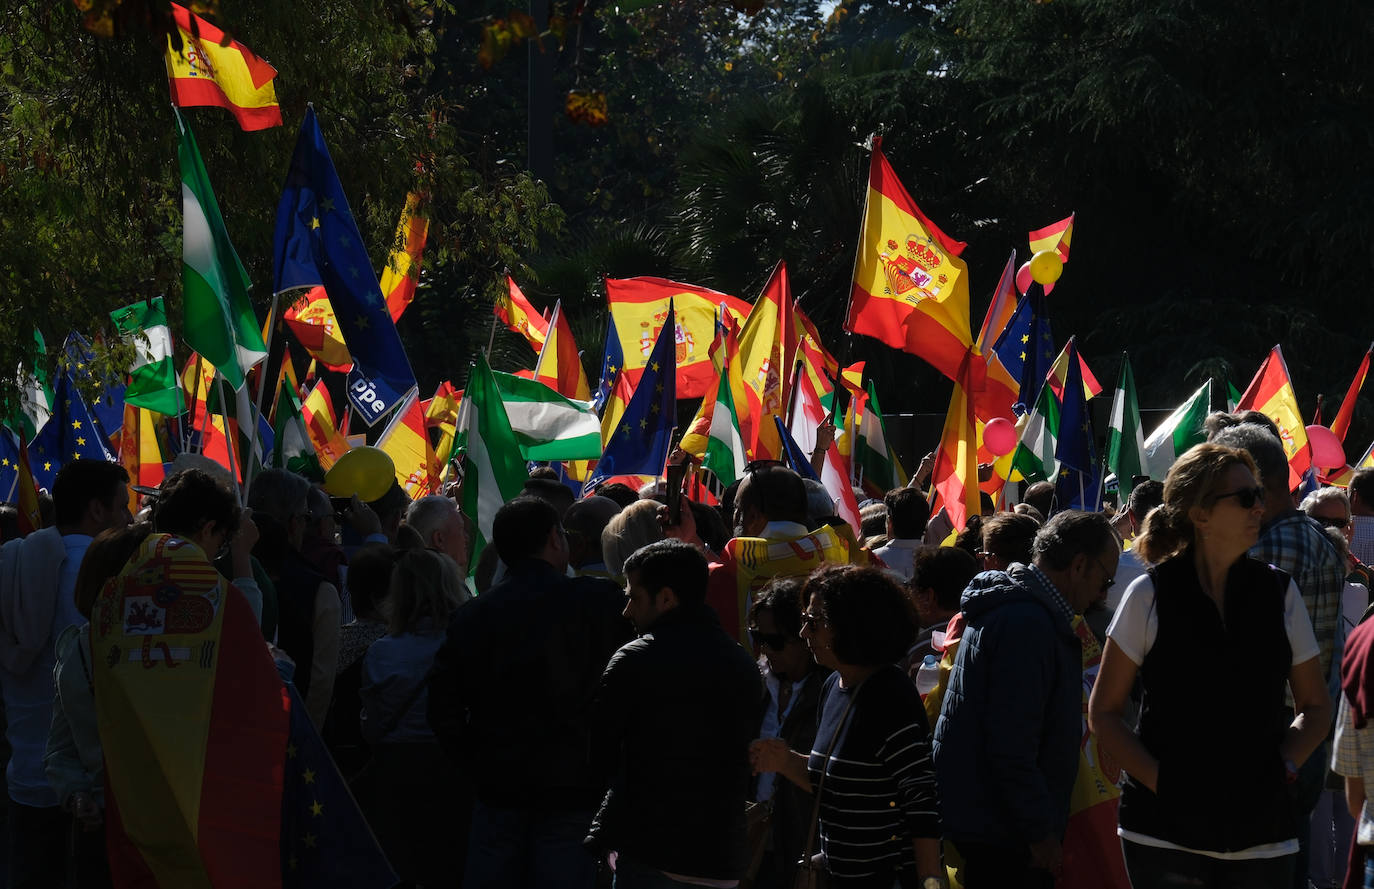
[(428, 514), (1324, 495), (1264, 448)]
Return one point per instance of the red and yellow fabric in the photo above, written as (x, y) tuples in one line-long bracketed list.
[(1341, 478), (514, 311), (560, 366), (402, 270), (30, 517), (197, 378), (193, 720), (1341, 425), (823, 365), (955, 477), (406, 441), (1271, 393), (311, 318), (1055, 236), (767, 349), (323, 429), (727, 359), (1091, 387), (910, 288), (441, 412), (209, 69), (640, 306), (140, 450), (1001, 389), (1092, 852), (748, 563)]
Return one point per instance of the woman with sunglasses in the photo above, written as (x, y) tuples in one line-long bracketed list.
[(879, 822), (1216, 638)]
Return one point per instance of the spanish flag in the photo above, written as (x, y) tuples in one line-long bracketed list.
[(311, 318), (1341, 425), (1271, 393), (514, 311), (639, 307), (193, 721), (210, 69), (767, 350), (1055, 236), (955, 477), (560, 366), (910, 287), (402, 271), (322, 428), (406, 441)]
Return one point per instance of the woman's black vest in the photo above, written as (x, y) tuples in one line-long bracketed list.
[(1213, 712)]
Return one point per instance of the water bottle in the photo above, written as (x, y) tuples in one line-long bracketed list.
[(928, 676)]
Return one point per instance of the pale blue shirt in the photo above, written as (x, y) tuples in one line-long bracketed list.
[(772, 722)]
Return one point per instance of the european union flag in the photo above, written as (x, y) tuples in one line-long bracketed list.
[(325, 841), (70, 434), (1026, 347), (639, 445), (1078, 484), (9, 464), (108, 408), (317, 243), (795, 458), (613, 359)]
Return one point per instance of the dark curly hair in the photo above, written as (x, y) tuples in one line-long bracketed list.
[(871, 618)]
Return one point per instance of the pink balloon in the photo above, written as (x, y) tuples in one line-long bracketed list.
[(999, 436), (1024, 279), (1327, 451)]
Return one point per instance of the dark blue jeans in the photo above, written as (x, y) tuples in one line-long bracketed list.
[(37, 846), (1152, 868), (516, 848)]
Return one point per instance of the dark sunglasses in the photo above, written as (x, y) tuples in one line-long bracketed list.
[(1246, 498), (775, 641), (1109, 579), (1332, 522)]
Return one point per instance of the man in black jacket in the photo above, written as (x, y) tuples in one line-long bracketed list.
[(675, 714), (510, 697)]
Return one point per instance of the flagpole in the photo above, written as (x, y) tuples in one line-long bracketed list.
[(874, 143), (491, 340), (262, 385), (228, 435), (792, 392)]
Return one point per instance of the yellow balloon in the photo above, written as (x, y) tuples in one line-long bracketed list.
[(1046, 267), (365, 471)]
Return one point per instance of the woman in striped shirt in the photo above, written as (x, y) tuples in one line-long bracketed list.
[(879, 814)]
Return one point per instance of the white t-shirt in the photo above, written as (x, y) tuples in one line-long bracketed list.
[(1137, 622), (1134, 629)]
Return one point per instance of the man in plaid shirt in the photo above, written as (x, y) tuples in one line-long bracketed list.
[(1292, 541)]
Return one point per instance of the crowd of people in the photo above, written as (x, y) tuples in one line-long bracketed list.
[(751, 694)]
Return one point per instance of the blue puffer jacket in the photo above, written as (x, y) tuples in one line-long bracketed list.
[(1008, 737)]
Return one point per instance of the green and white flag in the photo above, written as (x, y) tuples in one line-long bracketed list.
[(495, 471), (153, 382), (724, 454), (220, 323), (35, 393), (1034, 457), (872, 454), (1125, 442), (1178, 433), (291, 447), (547, 425)]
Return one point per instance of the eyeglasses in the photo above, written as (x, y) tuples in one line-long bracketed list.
[(1246, 498), (1110, 580), (1332, 522), (809, 618), (775, 641)]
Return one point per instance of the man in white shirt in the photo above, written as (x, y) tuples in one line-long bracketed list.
[(37, 579), (907, 515)]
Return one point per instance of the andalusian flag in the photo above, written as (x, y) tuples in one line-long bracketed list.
[(1034, 455), (210, 69), (640, 306), (1125, 442), (402, 272), (1271, 393), (873, 454), (514, 311), (1180, 431), (1341, 425), (495, 473), (724, 444), (910, 288), (194, 723), (153, 380), (35, 393), (548, 426), (291, 447), (220, 323), (955, 477), (406, 441)]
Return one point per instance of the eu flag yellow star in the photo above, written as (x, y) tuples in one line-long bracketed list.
[(316, 809), (362, 322), (76, 424), (314, 222), (1025, 338), (327, 205), (308, 776), (654, 365), (81, 442)]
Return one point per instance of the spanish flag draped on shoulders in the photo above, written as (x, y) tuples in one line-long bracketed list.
[(787, 549), (193, 719)]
